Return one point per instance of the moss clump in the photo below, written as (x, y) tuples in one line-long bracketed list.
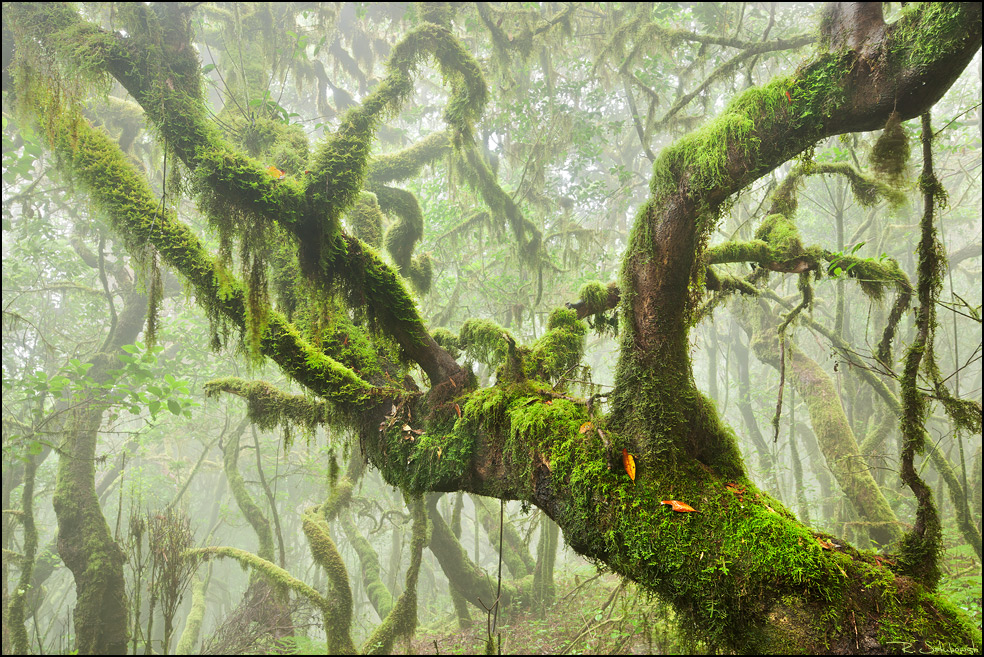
[(561, 348), (594, 295), (781, 235), (272, 141), (447, 340), (485, 341), (890, 155), (366, 220)]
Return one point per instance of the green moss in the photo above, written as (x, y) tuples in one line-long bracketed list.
[(781, 235), (890, 154), (594, 294), (756, 251), (337, 612), (873, 276), (193, 623), (560, 349), (402, 620), (705, 153), (379, 596), (485, 341), (247, 505), (284, 581), (477, 172), (405, 164), (269, 407), (404, 233), (447, 340), (366, 220)]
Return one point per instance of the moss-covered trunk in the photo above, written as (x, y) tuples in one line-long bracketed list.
[(465, 576), (85, 542), (829, 422)]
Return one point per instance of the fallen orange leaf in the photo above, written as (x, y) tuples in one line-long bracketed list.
[(275, 172), (629, 464), (586, 427), (680, 506)]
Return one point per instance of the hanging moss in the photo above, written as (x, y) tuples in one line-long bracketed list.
[(270, 408), (485, 341), (867, 191), (476, 171), (237, 188), (890, 155), (873, 276)]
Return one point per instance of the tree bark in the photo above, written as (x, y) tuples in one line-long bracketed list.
[(85, 542)]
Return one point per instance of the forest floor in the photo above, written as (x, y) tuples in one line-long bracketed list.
[(592, 614), (598, 614)]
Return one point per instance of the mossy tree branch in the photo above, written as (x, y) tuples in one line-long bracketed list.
[(125, 197), (310, 208), (401, 621)]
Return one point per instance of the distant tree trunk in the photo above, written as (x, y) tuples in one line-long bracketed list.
[(516, 556), (461, 609), (85, 542), (262, 604), (829, 422), (543, 574)]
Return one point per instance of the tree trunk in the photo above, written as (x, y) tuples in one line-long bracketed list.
[(85, 542)]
